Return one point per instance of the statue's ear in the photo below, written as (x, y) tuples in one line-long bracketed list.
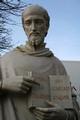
[(46, 30), (23, 23)]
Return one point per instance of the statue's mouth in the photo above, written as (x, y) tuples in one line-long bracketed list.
[(34, 34)]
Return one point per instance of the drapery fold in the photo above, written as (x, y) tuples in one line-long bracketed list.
[(7, 109)]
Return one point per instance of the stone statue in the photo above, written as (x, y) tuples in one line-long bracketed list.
[(22, 67)]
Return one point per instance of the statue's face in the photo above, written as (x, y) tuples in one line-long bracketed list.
[(35, 28)]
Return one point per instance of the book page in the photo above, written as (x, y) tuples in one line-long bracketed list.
[(60, 91), (39, 94)]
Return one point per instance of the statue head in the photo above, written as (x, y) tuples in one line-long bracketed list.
[(35, 20)]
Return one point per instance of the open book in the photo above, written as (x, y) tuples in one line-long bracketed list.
[(60, 91), (39, 94), (57, 90)]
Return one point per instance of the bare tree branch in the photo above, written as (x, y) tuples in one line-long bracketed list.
[(7, 8)]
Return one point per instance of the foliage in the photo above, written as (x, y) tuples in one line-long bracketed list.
[(8, 8)]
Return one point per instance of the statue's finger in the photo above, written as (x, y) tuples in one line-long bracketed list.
[(38, 116), (42, 117), (43, 113), (39, 112), (23, 87), (46, 109), (25, 83), (31, 80), (23, 91)]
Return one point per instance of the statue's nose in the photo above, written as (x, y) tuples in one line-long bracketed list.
[(33, 26)]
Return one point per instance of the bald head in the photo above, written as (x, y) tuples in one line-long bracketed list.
[(36, 10), (35, 21)]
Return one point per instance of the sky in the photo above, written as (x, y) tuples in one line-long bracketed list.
[(64, 33)]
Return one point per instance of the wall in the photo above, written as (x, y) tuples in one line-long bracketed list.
[(73, 70)]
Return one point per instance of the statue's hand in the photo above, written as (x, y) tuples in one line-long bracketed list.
[(50, 113), (20, 84)]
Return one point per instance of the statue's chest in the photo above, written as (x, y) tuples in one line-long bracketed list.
[(37, 65)]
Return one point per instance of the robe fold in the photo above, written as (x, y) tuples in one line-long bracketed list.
[(42, 63)]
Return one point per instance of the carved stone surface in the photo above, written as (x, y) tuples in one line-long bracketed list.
[(60, 91), (25, 71)]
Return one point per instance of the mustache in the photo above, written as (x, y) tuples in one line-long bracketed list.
[(35, 33)]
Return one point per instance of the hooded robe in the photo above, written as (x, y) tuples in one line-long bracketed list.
[(20, 61)]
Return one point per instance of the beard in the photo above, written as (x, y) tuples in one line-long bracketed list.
[(35, 41)]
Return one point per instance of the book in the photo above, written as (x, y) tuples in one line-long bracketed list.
[(60, 91), (39, 93)]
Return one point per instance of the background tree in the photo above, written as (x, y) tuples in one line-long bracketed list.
[(8, 8)]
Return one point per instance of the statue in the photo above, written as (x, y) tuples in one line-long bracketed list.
[(22, 67)]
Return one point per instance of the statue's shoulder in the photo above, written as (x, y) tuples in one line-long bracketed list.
[(57, 61), (59, 65), (10, 54)]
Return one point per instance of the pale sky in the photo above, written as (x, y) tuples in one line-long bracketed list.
[(64, 33)]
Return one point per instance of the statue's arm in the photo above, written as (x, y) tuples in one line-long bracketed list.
[(74, 114), (17, 84), (55, 112), (13, 83), (76, 108)]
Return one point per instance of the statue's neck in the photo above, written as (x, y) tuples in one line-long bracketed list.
[(35, 48)]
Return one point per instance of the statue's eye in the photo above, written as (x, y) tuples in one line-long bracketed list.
[(28, 22), (39, 21)]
